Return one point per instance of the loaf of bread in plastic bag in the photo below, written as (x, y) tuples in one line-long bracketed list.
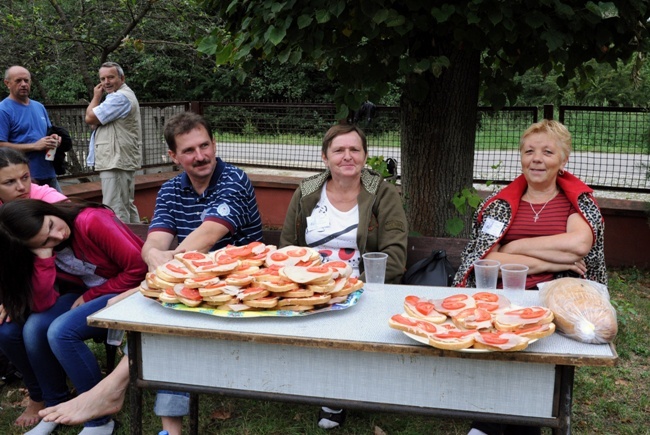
[(582, 309)]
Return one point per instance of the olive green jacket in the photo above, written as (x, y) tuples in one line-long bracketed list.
[(382, 220)]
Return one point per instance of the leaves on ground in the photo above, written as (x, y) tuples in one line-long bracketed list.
[(221, 414)]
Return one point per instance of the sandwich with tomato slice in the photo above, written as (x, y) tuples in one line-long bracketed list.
[(530, 322), (414, 326), (500, 340), (452, 339), (422, 308), (189, 296), (473, 318), (173, 271), (454, 304)]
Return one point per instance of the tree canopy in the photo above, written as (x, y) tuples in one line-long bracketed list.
[(440, 59), (63, 42), (440, 53)]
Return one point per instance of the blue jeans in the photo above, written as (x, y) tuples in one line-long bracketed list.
[(27, 347), (171, 403), (66, 337)]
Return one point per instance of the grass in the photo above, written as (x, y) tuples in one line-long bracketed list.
[(607, 400)]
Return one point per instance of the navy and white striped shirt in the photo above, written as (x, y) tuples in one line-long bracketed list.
[(228, 200)]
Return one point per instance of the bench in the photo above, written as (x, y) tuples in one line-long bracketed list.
[(418, 246)]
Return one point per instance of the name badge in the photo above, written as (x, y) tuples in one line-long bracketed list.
[(318, 222), (493, 227)]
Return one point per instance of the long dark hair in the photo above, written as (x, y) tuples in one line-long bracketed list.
[(21, 220), (10, 156)]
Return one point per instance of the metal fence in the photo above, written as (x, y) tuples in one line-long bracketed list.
[(611, 145), (154, 150)]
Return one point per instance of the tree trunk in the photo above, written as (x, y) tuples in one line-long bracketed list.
[(438, 135)]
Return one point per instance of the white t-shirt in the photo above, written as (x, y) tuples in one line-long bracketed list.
[(333, 233)]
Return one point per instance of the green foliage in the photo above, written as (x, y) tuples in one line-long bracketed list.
[(379, 164), (430, 52), (465, 202), (625, 84), (624, 310)]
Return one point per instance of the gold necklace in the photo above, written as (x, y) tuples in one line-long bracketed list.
[(537, 213)]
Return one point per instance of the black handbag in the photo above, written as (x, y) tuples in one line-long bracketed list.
[(435, 270), (65, 146)]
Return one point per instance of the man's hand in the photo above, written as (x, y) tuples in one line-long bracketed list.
[(156, 257), (47, 143), (98, 91), (91, 118)]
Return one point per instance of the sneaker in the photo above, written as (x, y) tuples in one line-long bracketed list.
[(11, 377), (331, 418)]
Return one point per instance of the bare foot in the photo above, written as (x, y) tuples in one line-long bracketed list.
[(30, 417), (91, 404), (105, 398)]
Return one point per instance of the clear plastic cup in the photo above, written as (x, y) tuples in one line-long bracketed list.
[(114, 337), (486, 273), (513, 276), (374, 264)]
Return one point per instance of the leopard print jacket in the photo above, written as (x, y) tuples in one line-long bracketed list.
[(481, 243)]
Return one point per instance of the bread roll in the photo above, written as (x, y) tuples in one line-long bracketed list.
[(581, 310)]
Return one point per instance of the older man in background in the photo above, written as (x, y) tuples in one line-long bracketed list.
[(116, 143), (23, 126)]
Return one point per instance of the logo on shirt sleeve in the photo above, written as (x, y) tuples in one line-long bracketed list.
[(223, 210)]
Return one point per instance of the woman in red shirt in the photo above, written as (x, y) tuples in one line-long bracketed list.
[(44, 245)]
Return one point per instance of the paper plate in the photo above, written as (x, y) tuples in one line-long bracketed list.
[(424, 340)]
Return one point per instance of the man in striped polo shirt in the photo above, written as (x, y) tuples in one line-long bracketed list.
[(209, 205)]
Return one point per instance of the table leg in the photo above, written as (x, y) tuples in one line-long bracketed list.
[(135, 393), (566, 399), (194, 414)]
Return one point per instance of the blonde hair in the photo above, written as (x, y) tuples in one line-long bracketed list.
[(556, 130)]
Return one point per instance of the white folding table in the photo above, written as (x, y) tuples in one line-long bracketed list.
[(349, 358)]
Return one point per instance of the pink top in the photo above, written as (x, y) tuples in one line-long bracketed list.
[(45, 193)]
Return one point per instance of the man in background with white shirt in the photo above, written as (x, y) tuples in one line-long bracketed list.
[(116, 143)]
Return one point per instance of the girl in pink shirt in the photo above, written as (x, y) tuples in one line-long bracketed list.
[(16, 181)]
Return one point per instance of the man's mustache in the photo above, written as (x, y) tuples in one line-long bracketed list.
[(201, 163)]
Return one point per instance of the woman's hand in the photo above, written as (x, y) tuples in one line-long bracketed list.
[(580, 267), (121, 296), (3, 315), (78, 302), (43, 252)]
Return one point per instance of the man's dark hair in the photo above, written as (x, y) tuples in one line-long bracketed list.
[(182, 123)]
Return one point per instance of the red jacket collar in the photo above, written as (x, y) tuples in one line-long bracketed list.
[(571, 185)]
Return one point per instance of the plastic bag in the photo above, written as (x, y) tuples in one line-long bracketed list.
[(582, 309), (435, 270)]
